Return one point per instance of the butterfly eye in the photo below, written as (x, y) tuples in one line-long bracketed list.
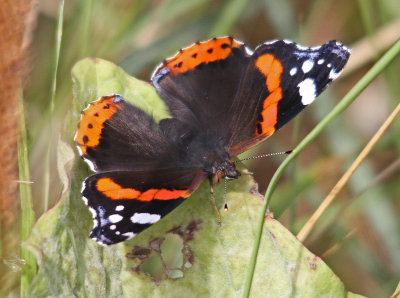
[(220, 175), (217, 177)]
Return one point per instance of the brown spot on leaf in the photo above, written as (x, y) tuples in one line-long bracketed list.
[(155, 244), (155, 252), (139, 252)]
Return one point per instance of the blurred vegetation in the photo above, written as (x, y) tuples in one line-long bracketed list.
[(359, 235)]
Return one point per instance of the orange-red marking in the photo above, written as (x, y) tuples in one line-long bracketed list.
[(91, 124), (205, 52), (272, 69), (115, 191)]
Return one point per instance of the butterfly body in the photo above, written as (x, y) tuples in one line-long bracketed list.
[(223, 99)]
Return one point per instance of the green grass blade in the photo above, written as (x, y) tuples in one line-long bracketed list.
[(228, 17), (27, 212), (58, 39), (379, 66), (59, 30), (366, 11), (85, 33), (283, 22)]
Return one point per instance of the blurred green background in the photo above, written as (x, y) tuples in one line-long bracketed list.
[(359, 236)]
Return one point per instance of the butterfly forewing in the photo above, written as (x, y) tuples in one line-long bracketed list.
[(281, 79), (115, 135)]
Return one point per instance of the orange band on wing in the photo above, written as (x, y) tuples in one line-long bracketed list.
[(270, 112), (114, 191), (205, 52), (272, 69), (92, 121)]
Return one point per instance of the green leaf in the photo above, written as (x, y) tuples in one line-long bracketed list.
[(186, 253), (93, 77)]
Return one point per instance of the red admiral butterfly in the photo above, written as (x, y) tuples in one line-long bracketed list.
[(223, 98)]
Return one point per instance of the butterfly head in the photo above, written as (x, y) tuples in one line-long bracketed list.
[(224, 170)]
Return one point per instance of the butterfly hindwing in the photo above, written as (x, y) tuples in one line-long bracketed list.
[(124, 203)]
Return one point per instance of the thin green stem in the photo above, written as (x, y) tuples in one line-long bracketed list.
[(59, 31), (27, 212), (292, 175), (378, 67)]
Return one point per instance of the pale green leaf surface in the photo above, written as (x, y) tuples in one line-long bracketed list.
[(186, 254), (93, 77)]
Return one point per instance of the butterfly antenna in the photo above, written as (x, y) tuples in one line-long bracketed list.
[(213, 202), (226, 194), (265, 155)]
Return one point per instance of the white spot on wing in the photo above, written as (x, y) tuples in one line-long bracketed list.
[(346, 49), (226, 36), (145, 218), (117, 232), (302, 48), (271, 41), (100, 214), (114, 218), (100, 241), (293, 71), (119, 208), (307, 66), (307, 91), (316, 48), (329, 65), (94, 213), (333, 74), (79, 148), (113, 227), (83, 187), (321, 61), (248, 51), (90, 164), (129, 234)]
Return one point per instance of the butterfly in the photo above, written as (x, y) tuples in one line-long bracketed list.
[(223, 99)]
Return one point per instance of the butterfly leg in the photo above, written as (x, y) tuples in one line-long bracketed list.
[(213, 201), (226, 194)]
